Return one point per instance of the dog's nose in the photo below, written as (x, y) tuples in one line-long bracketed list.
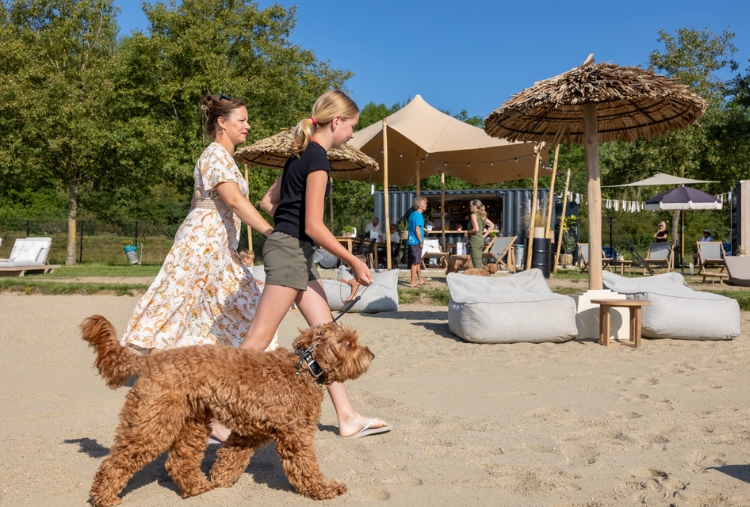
[(373, 355)]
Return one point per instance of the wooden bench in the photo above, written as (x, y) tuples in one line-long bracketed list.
[(605, 305)]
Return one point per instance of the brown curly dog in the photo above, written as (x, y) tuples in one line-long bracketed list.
[(260, 396), (457, 263), (488, 270)]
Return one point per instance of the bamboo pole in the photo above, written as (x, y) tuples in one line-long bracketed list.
[(442, 207), (533, 204), (594, 190), (551, 195), (562, 222), (249, 230), (385, 198)]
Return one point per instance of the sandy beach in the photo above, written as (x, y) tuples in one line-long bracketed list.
[(572, 424)]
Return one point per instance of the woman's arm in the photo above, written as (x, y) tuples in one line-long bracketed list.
[(488, 226), (474, 225), (319, 233), (271, 200), (230, 193)]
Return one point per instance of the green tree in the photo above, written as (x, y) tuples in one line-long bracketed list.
[(59, 94)]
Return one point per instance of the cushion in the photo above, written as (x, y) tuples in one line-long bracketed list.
[(29, 252), (509, 309), (381, 296), (676, 310)]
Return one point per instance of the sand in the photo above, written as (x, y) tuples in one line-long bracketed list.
[(572, 424)]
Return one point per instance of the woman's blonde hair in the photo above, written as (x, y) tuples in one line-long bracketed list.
[(480, 208), (332, 103), (663, 223)]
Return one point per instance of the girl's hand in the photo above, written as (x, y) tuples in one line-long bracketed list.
[(361, 272)]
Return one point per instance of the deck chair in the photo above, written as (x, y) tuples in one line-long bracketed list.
[(583, 258), (738, 269), (29, 255), (501, 247), (431, 250), (659, 255), (710, 252)]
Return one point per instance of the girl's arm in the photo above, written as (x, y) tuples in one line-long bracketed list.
[(230, 193), (271, 200), (319, 233)]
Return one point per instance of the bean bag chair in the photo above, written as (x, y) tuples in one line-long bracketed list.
[(509, 309), (677, 311), (380, 296)]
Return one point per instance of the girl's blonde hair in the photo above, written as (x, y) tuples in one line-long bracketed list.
[(332, 103), (480, 208)]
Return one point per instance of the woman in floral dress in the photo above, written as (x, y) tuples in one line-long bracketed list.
[(204, 294)]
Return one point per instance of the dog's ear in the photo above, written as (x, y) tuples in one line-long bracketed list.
[(333, 345)]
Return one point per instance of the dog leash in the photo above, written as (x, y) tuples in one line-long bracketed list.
[(348, 306)]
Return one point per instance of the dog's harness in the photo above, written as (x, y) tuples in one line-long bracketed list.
[(306, 355), (315, 370)]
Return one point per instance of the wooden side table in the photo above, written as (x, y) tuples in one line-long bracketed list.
[(635, 320), (623, 264)]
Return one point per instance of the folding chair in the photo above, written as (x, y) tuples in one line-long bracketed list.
[(583, 258), (659, 255), (710, 252), (431, 250), (501, 247)]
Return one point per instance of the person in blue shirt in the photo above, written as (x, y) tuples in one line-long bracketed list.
[(415, 241)]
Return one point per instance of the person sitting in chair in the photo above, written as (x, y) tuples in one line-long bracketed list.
[(706, 237)]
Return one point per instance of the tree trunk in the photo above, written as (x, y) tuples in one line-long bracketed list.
[(72, 208)]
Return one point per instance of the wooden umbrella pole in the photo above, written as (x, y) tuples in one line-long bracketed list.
[(593, 186), (385, 198), (532, 219), (249, 230), (551, 195), (330, 205), (417, 176), (442, 207), (562, 222)]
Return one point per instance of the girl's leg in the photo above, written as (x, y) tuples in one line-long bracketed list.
[(273, 305), (314, 307)]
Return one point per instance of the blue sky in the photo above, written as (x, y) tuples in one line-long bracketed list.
[(474, 55)]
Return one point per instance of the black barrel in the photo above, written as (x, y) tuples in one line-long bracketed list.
[(541, 255)]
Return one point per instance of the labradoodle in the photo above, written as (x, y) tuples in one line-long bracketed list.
[(458, 263), (260, 396), (488, 270)]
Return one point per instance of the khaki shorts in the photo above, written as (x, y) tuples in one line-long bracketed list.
[(288, 261)]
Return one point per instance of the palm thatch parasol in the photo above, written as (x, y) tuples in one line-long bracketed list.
[(274, 151), (596, 103)]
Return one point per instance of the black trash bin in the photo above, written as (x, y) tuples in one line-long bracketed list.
[(541, 255)]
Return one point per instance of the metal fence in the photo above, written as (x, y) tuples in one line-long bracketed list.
[(96, 241)]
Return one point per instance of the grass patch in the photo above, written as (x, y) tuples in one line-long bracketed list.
[(566, 291), (742, 297), (31, 287), (103, 270), (426, 296)]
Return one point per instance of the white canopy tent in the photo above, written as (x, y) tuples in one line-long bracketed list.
[(418, 141)]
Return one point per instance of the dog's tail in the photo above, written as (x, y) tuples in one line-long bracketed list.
[(114, 362)]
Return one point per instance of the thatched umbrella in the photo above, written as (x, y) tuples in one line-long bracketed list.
[(596, 103), (273, 152)]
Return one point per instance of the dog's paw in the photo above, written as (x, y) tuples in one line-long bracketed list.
[(197, 489), (327, 490)]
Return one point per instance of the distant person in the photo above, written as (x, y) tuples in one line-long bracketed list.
[(705, 238), (372, 230), (204, 293), (479, 227), (395, 242), (415, 240), (661, 234)]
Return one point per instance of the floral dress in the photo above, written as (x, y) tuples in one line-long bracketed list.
[(204, 294)]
